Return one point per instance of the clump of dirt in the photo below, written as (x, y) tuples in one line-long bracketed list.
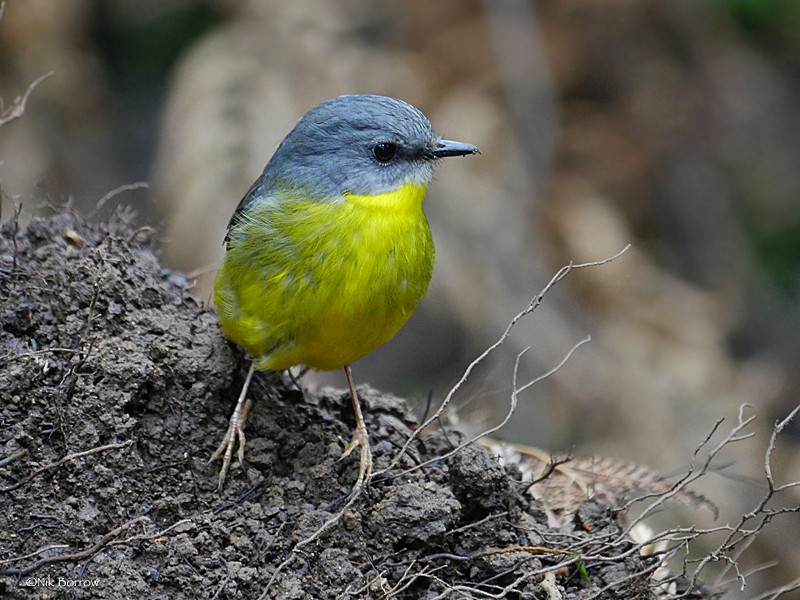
[(116, 386)]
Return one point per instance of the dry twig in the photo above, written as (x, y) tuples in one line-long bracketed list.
[(17, 108), (106, 540), (76, 556), (115, 192), (356, 493), (516, 391), (532, 306), (61, 461)]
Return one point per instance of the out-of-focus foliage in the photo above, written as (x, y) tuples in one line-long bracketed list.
[(773, 24)]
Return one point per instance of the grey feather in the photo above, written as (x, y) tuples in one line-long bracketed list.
[(330, 152)]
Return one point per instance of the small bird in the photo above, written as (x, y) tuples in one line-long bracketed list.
[(329, 251)]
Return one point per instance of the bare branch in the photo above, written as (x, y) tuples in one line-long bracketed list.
[(17, 108), (61, 461), (81, 555), (778, 592), (356, 493), (779, 426), (9, 561), (532, 306), (115, 192), (512, 409)]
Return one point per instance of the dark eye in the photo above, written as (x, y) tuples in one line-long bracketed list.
[(384, 151)]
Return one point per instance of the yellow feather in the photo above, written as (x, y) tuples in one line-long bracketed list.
[(324, 283)]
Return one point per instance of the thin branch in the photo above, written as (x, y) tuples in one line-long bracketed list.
[(149, 536), (314, 536), (779, 426), (778, 592), (693, 473), (13, 457), (404, 582), (34, 353), (740, 533), (60, 462), (512, 409), (115, 192), (17, 108), (8, 561), (532, 306), (83, 554)]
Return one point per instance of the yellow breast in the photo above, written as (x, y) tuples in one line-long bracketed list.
[(321, 283)]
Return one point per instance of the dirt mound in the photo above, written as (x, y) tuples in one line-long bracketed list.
[(115, 388)]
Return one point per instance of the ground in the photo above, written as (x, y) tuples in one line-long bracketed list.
[(115, 388)]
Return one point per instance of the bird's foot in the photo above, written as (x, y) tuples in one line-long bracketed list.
[(225, 450), (234, 433), (360, 440)]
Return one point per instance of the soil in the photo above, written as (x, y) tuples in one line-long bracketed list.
[(115, 388)]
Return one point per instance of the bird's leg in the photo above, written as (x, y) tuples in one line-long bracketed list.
[(360, 437), (235, 431)]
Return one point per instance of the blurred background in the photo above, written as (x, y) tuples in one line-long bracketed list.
[(673, 126)]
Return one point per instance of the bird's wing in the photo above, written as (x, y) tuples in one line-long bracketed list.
[(257, 191)]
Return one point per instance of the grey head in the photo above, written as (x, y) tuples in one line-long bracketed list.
[(364, 145)]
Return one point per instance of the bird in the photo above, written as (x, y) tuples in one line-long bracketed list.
[(329, 251)]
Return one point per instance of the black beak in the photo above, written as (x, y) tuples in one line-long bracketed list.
[(443, 148)]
